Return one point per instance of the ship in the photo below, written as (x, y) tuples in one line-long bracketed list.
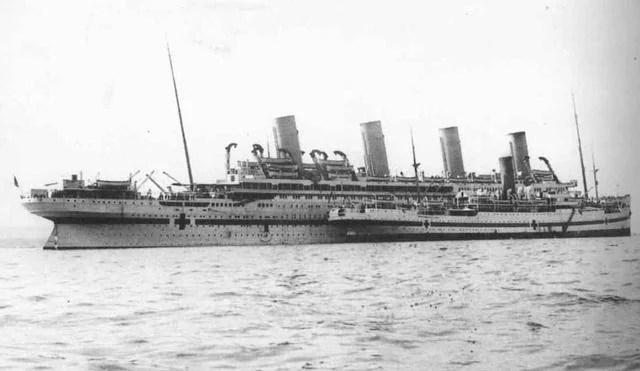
[(283, 200), (485, 218), (526, 205)]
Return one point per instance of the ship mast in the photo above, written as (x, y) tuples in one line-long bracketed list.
[(595, 175), (184, 138), (268, 148), (415, 165), (584, 177)]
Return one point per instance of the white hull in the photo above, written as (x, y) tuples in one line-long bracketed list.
[(98, 223), (91, 236), (385, 225), (83, 223)]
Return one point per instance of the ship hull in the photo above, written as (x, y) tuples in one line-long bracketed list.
[(397, 225), (97, 236), (94, 224), (406, 237)]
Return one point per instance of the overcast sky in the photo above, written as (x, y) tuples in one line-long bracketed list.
[(86, 85)]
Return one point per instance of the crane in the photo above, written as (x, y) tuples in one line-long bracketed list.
[(257, 152), (144, 180), (343, 155), (156, 184), (131, 176), (319, 167), (553, 173), (172, 178), (228, 156)]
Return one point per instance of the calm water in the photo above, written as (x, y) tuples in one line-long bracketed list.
[(545, 304)]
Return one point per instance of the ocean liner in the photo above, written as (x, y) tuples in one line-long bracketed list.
[(284, 200), (526, 204)]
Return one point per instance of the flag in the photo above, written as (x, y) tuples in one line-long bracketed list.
[(15, 182)]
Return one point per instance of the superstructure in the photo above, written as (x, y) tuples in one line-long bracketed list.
[(285, 200)]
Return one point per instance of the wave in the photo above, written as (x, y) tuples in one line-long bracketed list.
[(406, 344), (223, 294), (564, 282), (602, 361), (364, 289), (569, 299)]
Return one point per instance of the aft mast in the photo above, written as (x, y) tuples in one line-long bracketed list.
[(584, 176), (184, 138), (595, 175), (415, 166)]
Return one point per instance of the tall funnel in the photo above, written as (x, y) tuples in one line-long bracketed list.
[(375, 152), (451, 152), (506, 175), (520, 153), (286, 137)]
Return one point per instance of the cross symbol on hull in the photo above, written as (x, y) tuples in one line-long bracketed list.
[(182, 222)]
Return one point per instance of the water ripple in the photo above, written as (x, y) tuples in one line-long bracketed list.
[(548, 304)]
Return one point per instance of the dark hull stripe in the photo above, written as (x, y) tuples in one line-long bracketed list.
[(433, 223), (111, 220), (185, 204), (211, 245), (347, 222), (418, 237), (398, 237), (262, 222), (402, 223), (110, 247)]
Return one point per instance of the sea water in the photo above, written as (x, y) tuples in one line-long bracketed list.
[(486, 305)]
